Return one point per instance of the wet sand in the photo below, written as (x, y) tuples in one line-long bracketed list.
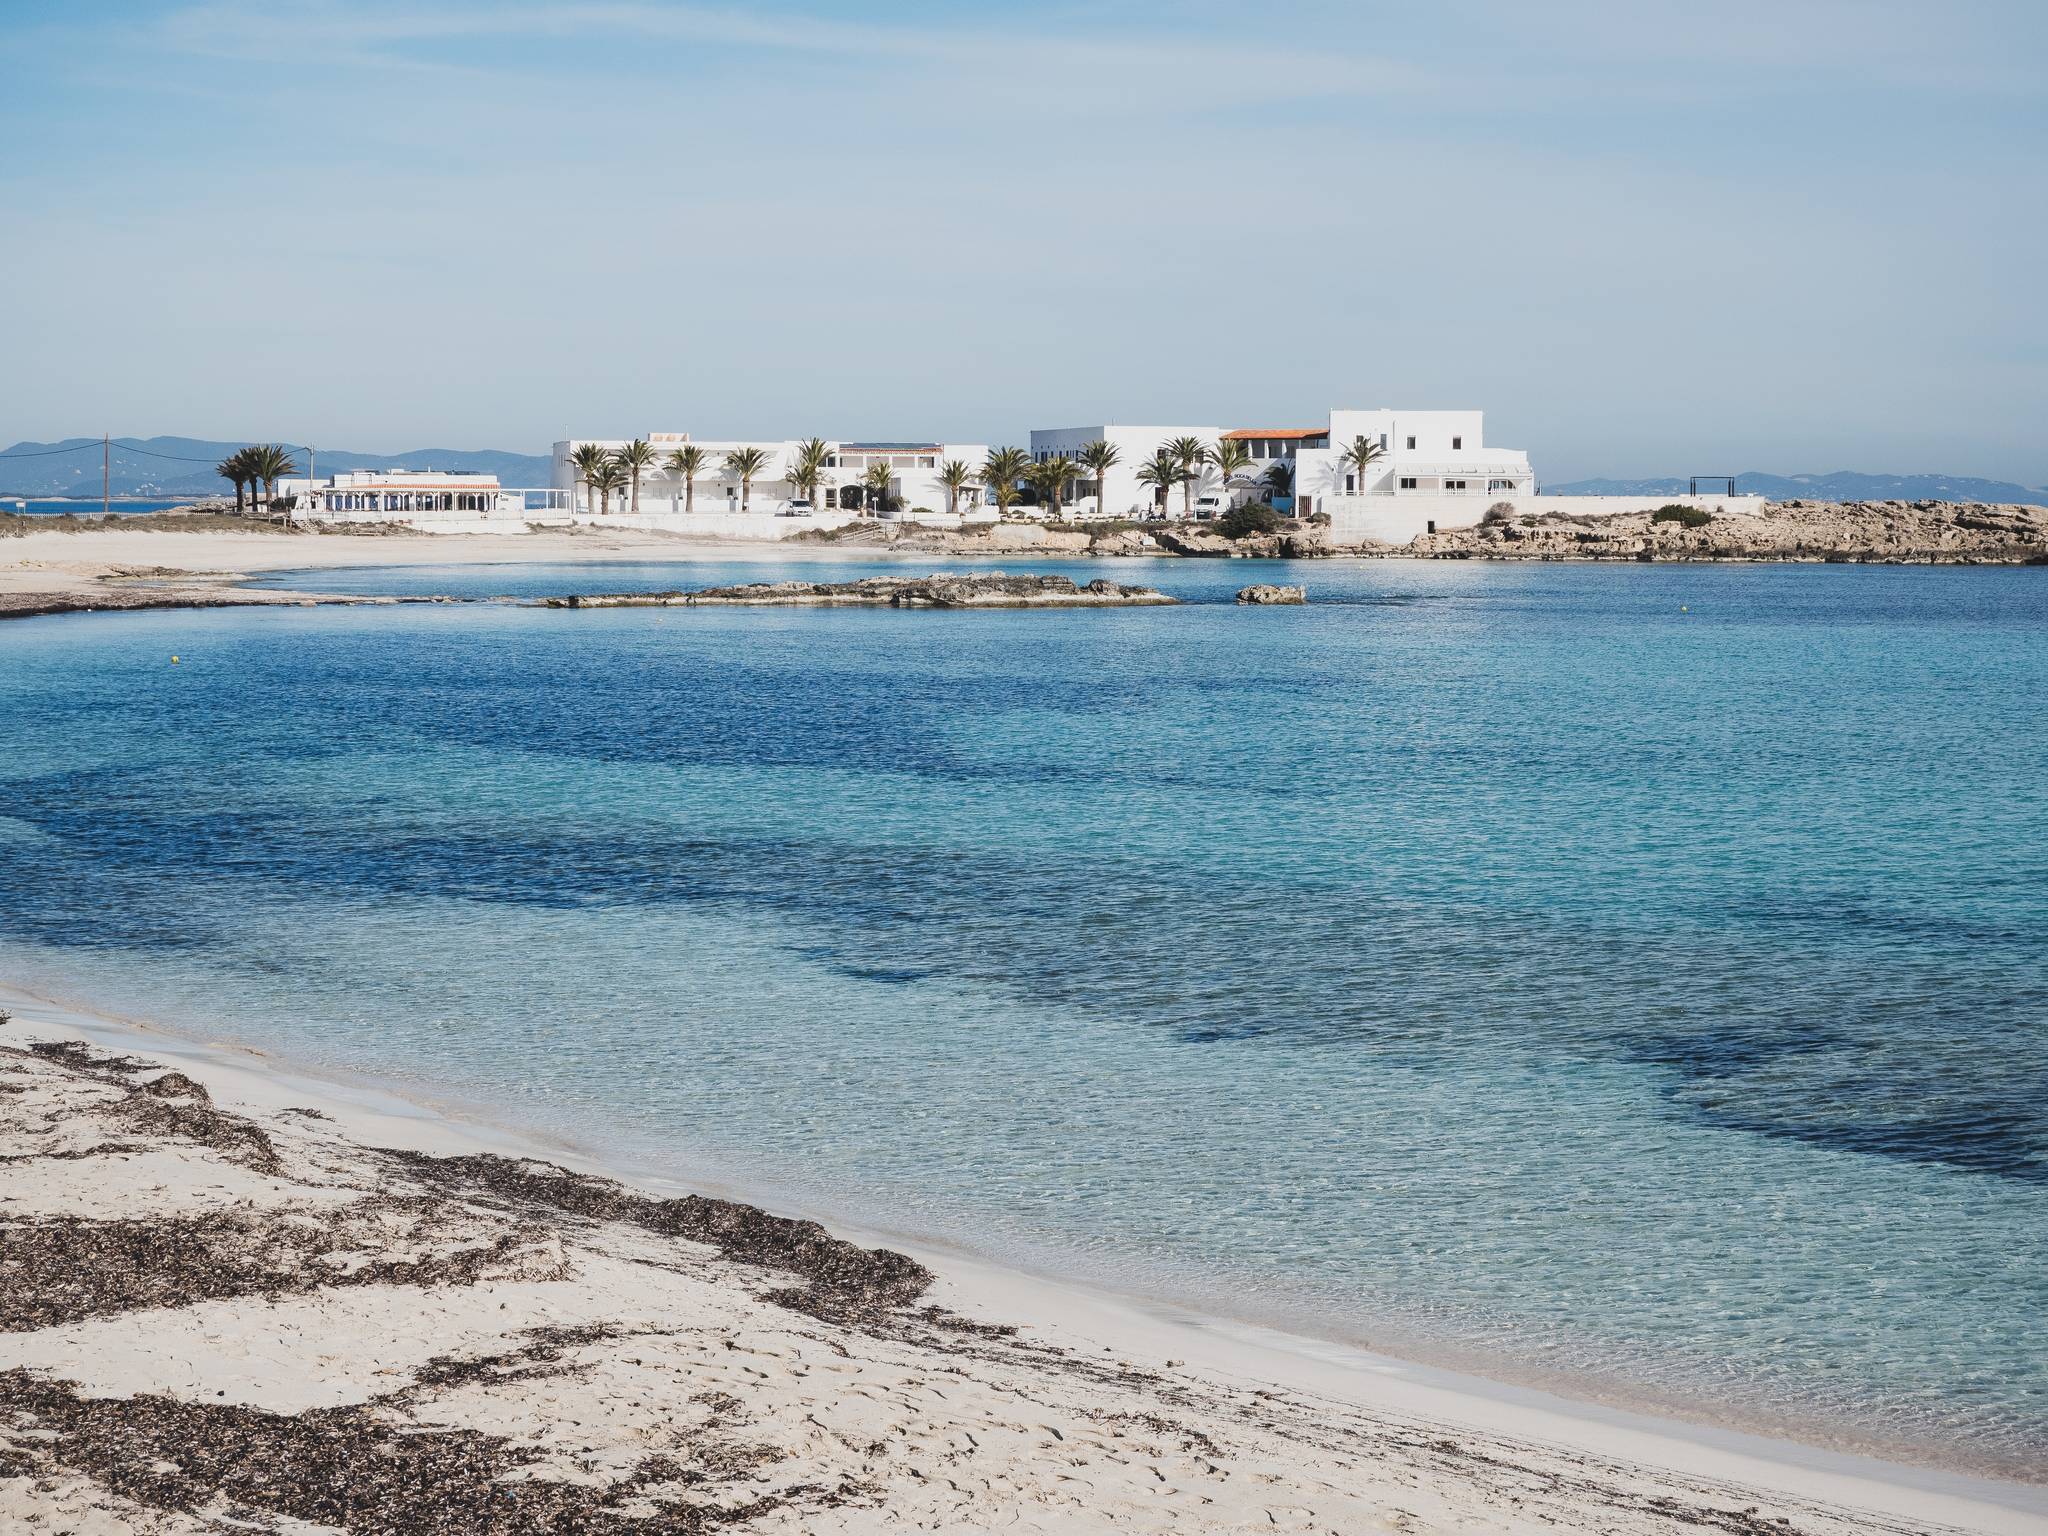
[(236, 1293)]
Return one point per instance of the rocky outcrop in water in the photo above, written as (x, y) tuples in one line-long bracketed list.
[(1882, 532), (1266, 592), (989, 589)]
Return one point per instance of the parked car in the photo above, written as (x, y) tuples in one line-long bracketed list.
[(798, 507), (1211, 505)]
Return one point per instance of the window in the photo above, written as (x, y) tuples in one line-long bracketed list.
[(1325, 442), (1454, 485), (1407, 482), (1411, 445), (1500, 485), (1457, 443), (1350, 484)]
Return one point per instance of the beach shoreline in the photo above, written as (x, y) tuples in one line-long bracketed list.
[(139, 565), (1089, 1322)]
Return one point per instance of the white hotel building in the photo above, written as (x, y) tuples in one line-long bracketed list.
[(914, 487), (1434, 470), (1423, 454)]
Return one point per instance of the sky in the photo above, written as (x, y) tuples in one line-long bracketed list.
[(1645, 236)]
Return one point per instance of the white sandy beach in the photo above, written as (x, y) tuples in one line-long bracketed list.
[(80, 560), (243, 1298)]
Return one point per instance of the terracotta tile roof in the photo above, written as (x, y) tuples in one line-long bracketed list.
[(1293, 433)]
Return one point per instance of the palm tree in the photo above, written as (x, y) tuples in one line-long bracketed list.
[(809, 467), (589, 458), (1162, 472), (1098, 456), (687, 461), (1034, 477), (1000, 473), (1189, 453), (877, 482), (955, 477), (1049, 479), (235, 468), (270, 463), (611, 475), (746, 463), (1229, 456), (1361, 454), (634, 457)]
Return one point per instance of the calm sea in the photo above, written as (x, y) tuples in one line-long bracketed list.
[(38, 506), (1632, 978)]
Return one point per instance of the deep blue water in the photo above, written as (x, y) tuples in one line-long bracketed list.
[(1629, 977), (44, 506)]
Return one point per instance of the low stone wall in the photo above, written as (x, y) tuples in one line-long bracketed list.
[(1401, 518)]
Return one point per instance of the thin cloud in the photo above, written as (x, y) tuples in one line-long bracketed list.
[(1098, 72)]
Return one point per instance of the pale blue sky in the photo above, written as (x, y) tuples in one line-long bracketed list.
[(1645, 237)]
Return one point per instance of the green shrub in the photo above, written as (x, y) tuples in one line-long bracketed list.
[(1253, 517), (1691, 517)]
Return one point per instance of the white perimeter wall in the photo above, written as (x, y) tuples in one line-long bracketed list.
[(1405, 516)]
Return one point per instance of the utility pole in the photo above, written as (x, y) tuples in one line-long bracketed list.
[(106, 473)]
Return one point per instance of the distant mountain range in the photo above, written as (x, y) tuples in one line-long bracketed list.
[(1842, 485), (183, 466)]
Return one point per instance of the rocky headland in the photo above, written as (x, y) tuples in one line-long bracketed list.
[(988, 589), (1859, 532)]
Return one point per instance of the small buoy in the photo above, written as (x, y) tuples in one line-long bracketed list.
[(1683, 609), (174, 661)]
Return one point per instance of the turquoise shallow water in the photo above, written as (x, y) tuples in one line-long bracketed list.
[(1631, 978)]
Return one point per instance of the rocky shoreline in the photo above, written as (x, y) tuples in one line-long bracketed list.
[(1882, 532), (182, 589), (988, 589)]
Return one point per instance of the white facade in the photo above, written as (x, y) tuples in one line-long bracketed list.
[(1123, 495), (914, 487), (1423, 453), (409, 496), (1433, 471)]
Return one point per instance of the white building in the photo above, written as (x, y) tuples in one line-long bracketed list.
[(1427, 452), (1123, 494), (409, 496), (914, 468), (1428, 470), (1421, 454)]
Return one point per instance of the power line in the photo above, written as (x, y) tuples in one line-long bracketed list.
[(44, 453)]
